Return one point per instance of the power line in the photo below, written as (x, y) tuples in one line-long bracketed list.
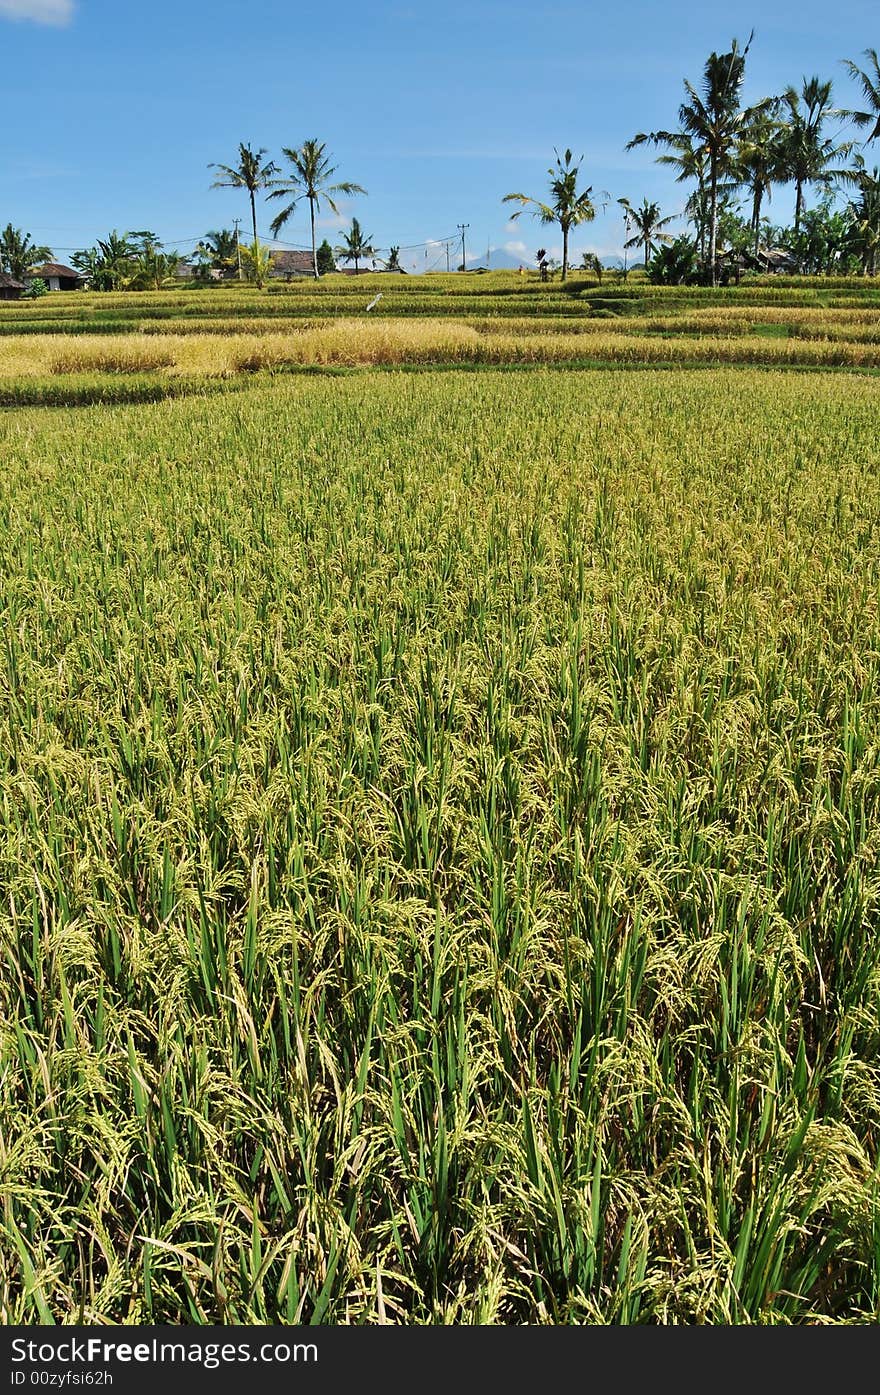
[(401, 247), (461, 228)]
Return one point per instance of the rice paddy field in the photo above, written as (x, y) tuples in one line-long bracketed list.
[(440, 804)]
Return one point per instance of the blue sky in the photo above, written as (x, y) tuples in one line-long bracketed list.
[(111, 112)]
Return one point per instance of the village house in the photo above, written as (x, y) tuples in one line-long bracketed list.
[(10, 289), (57, 277), (287, 265)]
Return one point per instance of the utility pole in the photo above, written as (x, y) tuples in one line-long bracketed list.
[(626, 224), (236, 222), (461, 228), (447, 254)]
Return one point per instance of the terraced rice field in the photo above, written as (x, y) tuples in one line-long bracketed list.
[(439, 810)]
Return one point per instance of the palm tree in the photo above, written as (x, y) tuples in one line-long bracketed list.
[(311, 173), (761, 163), (250, 173), (568, 208), (257, 262), (711, 123), (18, 253), (865, 214), (151, 268), (869, 78), (219, 249), (357, 245), (648, 224), (807, 157), (109, 264), (690, 162)]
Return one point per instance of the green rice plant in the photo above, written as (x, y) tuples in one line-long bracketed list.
[(438, 836)]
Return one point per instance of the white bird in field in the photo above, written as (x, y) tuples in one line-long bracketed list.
[(374, 302)]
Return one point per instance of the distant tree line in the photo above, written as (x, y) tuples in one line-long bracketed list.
[(726, 151), (729, 155)]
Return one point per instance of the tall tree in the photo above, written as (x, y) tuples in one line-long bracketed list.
[(219, 250), (567, 206), (18, 253), (864, 213), (869, 80), (310, 177), (151, 267), (251, 173), (326, 260), (689, 160), (109, 264), (761, 163), (648, 226), (712, 121), (809, 157), (356, 245)]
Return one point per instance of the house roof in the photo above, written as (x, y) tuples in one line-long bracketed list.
[(54, 269), (292, 264), (9, 283), (776, 256)]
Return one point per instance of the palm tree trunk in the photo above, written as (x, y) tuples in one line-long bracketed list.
[(564, 251), (647, 251), (713, 223), (314, 247), (253, 214), (756, 216), (798, 207), (701, 206)]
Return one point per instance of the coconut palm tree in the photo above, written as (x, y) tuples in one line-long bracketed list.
[(250, 173), (869, 79), (760, 163), (356, 245), (568, 207), (310, 178), (648, 225), (864, 213), (690, 161), (219, 249), (18, 253), (712, 122), (808, 157)]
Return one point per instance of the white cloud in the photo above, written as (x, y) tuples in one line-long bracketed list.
[(333, 221), (515, 248), (59, 12)]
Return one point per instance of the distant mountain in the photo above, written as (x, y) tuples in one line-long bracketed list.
[(501, 260)]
